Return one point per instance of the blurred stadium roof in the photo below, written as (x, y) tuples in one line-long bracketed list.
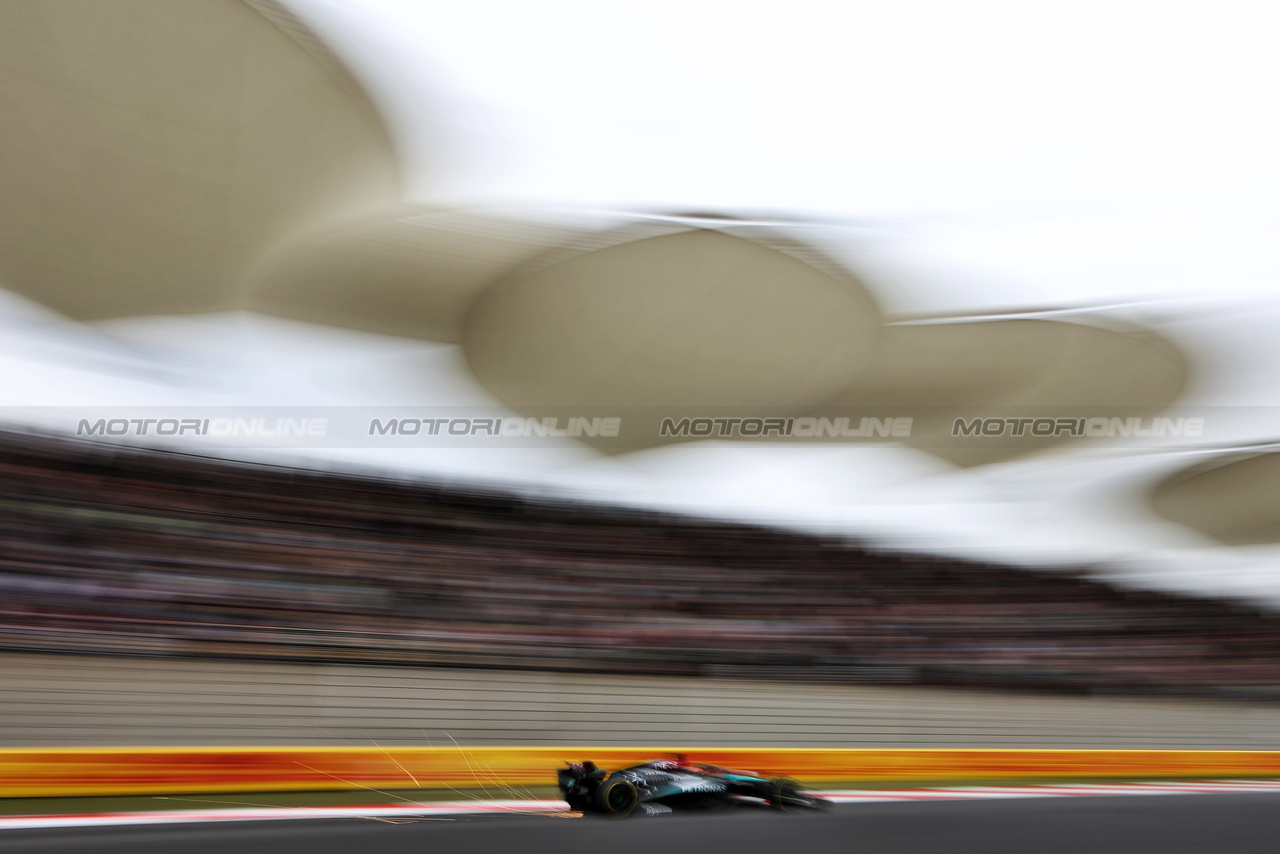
[(988, 211)]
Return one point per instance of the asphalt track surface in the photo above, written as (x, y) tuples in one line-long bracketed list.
[(1233, 824)]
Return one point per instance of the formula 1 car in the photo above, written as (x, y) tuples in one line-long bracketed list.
[(666, 784)]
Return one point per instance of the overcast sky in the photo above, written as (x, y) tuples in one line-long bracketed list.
[(1077, 152)]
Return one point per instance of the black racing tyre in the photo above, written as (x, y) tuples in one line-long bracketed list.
[(785, 795), (618, 797)]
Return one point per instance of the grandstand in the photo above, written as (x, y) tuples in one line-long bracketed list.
[(112, 549)]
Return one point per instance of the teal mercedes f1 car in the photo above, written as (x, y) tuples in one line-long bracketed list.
[(665, 785)]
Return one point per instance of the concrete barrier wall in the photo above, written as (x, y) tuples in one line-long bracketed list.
[(74, 700)]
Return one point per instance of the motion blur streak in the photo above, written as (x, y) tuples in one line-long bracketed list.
[(152, 553), (938, 286), (1239, 823), (66, 772)]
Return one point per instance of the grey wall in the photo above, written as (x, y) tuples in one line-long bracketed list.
[(49, 700)]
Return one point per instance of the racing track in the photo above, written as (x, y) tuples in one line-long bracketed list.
[(1235, 823)]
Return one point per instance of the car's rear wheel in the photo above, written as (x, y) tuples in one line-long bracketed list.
[(618, 797)]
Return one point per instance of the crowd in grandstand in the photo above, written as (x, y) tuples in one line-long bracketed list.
[(144, 552)]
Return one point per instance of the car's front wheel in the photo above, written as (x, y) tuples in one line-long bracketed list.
[(785, 795), (618, 797)]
